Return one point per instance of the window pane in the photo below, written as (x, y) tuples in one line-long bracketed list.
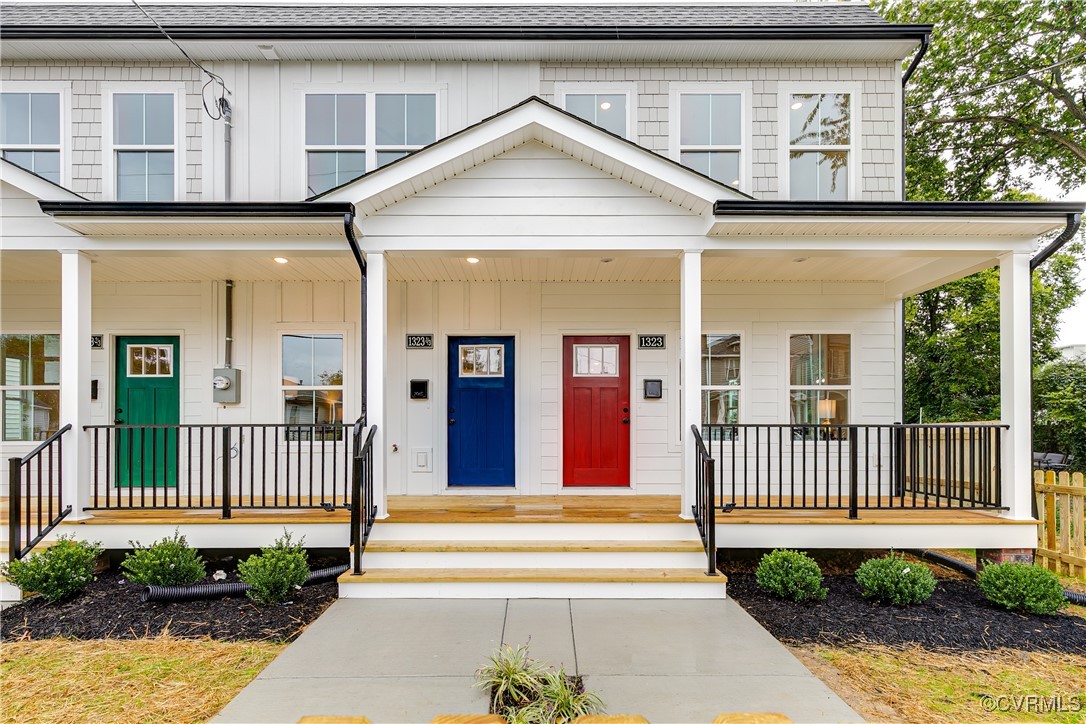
[(387, 157), (467, 360), (611, 113), (30, 359), (720, 407), (694, 116), (328, 359), (328, 406), (160, 186), (421, 119), (320, 119), (44, 163), (350, 120), (158, 119), (392, 119), (297, 360), (838, 352), (833, 175), (820, 119), (803, 119), (835, 115), (720, 359), (698, 161), (725, 119), (145, 176), (819, 407), (311, 360), (14, 118), (128, 119), (328, 169), (820, 359), (30, 414), (582, 105), (165, 361), (803, 175), (45, 118), (496, 367), (349, 166)]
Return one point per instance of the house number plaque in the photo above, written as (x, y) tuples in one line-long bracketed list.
[(96, 341), (652, 341), (420, 341)]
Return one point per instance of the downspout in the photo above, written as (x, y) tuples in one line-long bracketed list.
[(228, 342), (360, 260), (1074, 222), (924, 42), (228, 133)]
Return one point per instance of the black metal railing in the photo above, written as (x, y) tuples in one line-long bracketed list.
[(363, 504), (223, 467), (704, 506), (36, 494), (854, 467)]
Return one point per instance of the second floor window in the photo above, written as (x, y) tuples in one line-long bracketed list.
[(711, 135), (349, 134), (606, 110), (819, 145), (144, 146), (30, 132)]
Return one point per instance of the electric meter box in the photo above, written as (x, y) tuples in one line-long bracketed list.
[(226, 386)]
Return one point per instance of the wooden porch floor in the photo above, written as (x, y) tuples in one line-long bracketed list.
[(544, 509)]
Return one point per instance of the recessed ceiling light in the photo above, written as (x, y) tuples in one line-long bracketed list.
[(606, 260), (280, 260), (801, 259), (472, 260), (605, 106)]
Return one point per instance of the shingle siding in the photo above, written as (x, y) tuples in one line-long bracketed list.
[(85, 152), (878, 156)]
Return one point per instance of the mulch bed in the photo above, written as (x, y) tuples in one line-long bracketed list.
[(956, 618), (110, 608)]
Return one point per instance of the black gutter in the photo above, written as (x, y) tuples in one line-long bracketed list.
[(201, 209), (467, 32), (1074, 222), (360, 260), (1031, 209)]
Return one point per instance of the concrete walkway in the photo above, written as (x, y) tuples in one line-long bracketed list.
[(409, 660)]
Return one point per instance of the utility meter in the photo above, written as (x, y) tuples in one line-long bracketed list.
[(225, 389)]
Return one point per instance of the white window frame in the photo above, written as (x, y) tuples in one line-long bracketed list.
[(746, 93), (786, 376), (159, 347), (109, 149), (26, 388), (855, 166), (618, 360), (289, 330), (370, 146), (64, 89), (629, 89)]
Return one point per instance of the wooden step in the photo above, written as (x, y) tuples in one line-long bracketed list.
[(532, 575), (533, 546)]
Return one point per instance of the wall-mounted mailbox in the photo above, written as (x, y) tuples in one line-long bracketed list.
[(225, 386), (94, 390), (654, 389), (420, 389)]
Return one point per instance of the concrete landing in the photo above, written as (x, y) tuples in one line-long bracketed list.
[(409, 660)]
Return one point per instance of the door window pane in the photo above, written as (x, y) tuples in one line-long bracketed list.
[(606, 110), (478, 360), (595, 360), (150, 360)]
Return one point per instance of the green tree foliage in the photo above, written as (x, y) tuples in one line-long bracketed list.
[(1059, 400), (1000, 96)]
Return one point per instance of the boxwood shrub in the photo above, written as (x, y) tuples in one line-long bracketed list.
[(893, 580), (276, 572), (1021, 587), (791, 575), (58, 572), (168, 562)]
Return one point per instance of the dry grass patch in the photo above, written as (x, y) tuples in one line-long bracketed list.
[(916, 685), (161, 679)]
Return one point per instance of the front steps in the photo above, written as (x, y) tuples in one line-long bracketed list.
[(533, 560)]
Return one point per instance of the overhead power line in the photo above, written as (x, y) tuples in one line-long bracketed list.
[(983, 88)]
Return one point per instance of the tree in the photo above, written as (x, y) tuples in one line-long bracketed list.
[(999, 97), (1060, 422)]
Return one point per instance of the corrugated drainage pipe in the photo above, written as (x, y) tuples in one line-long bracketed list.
[(1074, 597), (205, 591)]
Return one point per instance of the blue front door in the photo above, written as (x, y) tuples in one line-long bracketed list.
[(481, 411)]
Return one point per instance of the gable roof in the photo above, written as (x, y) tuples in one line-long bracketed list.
[(533, 119), (37, 186), (467, 21)]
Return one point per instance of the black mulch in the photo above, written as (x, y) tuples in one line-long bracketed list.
[(956, 618), (110, 608)]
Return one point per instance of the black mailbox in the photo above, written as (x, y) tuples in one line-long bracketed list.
[(420, 389), (654, 389)]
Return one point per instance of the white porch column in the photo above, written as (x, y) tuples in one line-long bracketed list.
[(1015, 360), (690, 367), (75, 374), (375, 349)]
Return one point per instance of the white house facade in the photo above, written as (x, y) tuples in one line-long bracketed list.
[(525, 299)]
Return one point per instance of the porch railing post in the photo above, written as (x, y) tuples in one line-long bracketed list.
[(15, 506), (710, 515), (853, 473), (226, 492)]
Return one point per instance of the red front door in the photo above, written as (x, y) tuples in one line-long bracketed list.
[(596, 411)]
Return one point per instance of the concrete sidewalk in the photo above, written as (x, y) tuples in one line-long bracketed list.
[(409, 660)]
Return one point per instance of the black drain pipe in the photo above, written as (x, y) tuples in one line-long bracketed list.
[(352, 241), (1079, 599), (204, 591)]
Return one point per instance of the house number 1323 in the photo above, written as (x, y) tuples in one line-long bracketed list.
[(651, 341), (420, 341)]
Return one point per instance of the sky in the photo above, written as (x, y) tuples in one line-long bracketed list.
[(1073, 321)]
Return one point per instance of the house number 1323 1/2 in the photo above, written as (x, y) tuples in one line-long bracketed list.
[(420, 341), (651, 341)]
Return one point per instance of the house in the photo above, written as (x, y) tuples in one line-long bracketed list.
[(555, 298)]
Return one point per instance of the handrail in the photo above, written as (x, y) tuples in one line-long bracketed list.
[(704, 507), (363, 505), (48, 475)]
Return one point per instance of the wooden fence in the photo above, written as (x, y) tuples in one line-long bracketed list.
[(1061, 530)]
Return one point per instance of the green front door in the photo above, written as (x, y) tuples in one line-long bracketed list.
[(148, 393)]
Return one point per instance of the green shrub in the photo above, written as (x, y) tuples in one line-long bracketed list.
[(511, 677), (791, 575), (57, 572), (524, 691), (168, 562), (1021, 587), (563, 699), (276, 572), (891, 579)]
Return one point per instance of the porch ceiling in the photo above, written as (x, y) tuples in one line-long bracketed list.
[(191, 266)]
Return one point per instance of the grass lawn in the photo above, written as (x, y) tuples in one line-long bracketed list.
[(915, 685), (161, 679)]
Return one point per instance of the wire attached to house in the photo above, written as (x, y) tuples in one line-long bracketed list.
[(995, 84), (221, 105)]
